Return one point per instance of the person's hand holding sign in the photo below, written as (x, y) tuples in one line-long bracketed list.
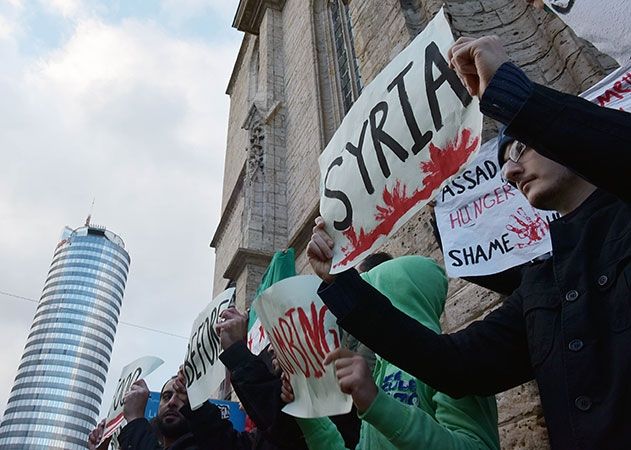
[(354, 377), (135, 401), (476, 61), (179, 386), (96, 435), (286, 391), (320, 251), (234, 327)]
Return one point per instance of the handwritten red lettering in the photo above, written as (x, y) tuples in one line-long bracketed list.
[(618, 90), (466, 215), (300, 340)]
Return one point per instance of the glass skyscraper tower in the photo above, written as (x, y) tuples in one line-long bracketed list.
[(56, 397)]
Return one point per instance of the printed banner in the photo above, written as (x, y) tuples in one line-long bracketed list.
[(131, 373), (203, 370), (413, 127), (486, 225), (302, 332)]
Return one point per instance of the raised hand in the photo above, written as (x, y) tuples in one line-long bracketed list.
[(286, 391), (320, 251), (354, 377), (179, 385), (233, 328), (135, 401), (476, 61), (96, 435)]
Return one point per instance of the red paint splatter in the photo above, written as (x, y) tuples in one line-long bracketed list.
[(528, 228), (442, 164)]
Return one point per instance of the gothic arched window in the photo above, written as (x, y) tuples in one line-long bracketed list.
[(346, 61)]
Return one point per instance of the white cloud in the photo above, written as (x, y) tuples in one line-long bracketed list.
[(9, 21), (7, 28), (18, 4), (181, 10), (136, 118), (69, 9)]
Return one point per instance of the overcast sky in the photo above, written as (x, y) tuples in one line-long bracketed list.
[(122, 101)]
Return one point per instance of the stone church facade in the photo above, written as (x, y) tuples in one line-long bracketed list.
[(301, 65)]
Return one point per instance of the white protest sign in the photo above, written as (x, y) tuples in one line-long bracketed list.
[(131, 373), (302, 332), (413, 127), (614, 91), (203, 370), (486, 225), (606, 25)]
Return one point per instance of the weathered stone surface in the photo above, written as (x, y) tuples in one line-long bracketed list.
[(467, 304), (518, 403), (529, 433)]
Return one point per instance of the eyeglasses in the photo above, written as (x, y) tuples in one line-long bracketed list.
[(516, 150)]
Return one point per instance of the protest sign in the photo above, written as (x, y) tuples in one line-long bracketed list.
[(283, 265), (203, 370), (414, 126), (605, 24), (486, 225), (614, 91), (131, 373), (302, 332)]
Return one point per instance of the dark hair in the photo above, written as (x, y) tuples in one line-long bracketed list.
[(503, 141), (165, 383), (373, 260)]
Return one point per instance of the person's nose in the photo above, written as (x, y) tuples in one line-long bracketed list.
[(512, 171), (173, 402)]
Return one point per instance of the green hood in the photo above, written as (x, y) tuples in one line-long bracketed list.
[(414, 284), (407, 414)]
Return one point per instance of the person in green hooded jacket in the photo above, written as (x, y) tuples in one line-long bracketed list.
[(397, 410)]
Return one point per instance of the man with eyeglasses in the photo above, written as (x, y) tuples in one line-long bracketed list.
[(568, 324), (546, 184)]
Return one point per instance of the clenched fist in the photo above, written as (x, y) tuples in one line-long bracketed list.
[(354, 377)]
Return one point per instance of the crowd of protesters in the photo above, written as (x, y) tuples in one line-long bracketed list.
[(565, 323)]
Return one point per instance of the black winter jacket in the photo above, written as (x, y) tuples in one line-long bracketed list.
[(208, 432), (259, 390), (568, 325), (140, 435)]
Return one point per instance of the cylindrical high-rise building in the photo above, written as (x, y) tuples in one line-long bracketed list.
[(56, 397)]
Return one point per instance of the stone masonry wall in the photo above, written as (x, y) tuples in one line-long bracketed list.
[(237, 140), (303, 121)]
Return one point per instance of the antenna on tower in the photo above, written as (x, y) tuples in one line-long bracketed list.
[(87, 220)]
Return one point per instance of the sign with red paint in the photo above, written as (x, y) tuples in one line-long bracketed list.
[(203, 369), (302, 332), (614, 91), (486, 225), (412, 128), (131, 373)]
